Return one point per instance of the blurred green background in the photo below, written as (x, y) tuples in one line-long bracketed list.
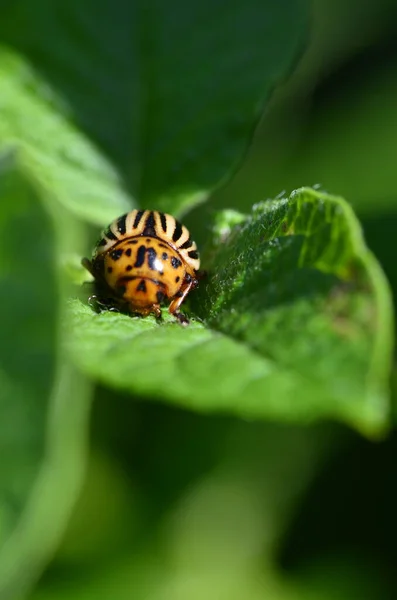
[(178, 506)]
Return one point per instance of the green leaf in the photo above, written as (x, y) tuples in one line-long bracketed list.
[(299, 324), (52, 149), (170, 90), (43, 401), (297, 284)]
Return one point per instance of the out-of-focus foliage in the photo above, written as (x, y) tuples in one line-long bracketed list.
[(43, 400), (178, 504), (51, 149), (169, 90), (333, 123)]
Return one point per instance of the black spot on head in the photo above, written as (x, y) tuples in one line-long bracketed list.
[(141, 287), (176, 263), (177, 279), (133, 242), (186, 244), (152, 255), (160, 297), (193, 254), (110, 269), (177, 231), (110, 235), (102, 242), (163, 220), (116, 254), (137, 219), (121, 224), (128, 252), (150, 225), (148, 240), (140, 257), (128, 268)]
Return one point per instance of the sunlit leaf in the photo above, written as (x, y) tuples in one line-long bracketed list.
[(297, 324)]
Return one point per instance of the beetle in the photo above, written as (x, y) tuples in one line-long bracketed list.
[(143, 259)]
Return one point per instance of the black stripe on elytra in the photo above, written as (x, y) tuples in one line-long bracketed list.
[(177, 231), (176, 263), (150, 225), (116, 254), (110, 235), (193, 254), (137, 219), (140, 256), (121, 224), (152, 255), (163, 220), (141, 287), (186, 244)]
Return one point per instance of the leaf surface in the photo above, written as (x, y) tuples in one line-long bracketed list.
[(44, 402), (170, 91), (298, 323), (51, 148)]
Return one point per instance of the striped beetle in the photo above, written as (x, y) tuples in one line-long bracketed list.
[(143, 259)]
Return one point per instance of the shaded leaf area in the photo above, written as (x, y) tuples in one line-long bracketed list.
[(298, 323), (169, 90), (29, 299), (43, 402), (52, 149), (295, 282)]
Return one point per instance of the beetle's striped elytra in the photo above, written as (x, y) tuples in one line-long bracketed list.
[(143, 259)]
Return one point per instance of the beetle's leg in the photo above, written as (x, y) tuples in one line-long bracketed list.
[(157, 311), (93, 301), (183, 320), (187, 286), (97, 304), (104, 299), (87, 264), (144, 312)]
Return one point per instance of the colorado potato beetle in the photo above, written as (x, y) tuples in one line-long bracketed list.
[(143, 259)]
